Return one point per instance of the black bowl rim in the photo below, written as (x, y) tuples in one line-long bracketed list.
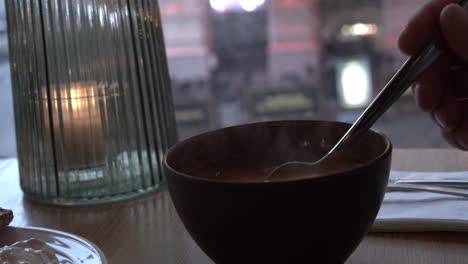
[(387, 151)]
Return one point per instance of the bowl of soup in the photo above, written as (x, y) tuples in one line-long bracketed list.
[(218, 183)]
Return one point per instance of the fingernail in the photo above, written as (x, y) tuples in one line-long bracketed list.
[(440, 119), (455, 8), (453, 20), (415, 88), (456, 12), (451, 139), (463, 145), (460, 135)]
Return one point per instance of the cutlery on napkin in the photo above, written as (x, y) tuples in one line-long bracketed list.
[(419, 211)]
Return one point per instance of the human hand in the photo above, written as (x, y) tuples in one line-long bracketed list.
[(442, 90)]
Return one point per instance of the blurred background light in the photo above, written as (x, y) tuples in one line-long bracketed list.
[(354, 82), (219, 5), (359, 29), (250, 5)]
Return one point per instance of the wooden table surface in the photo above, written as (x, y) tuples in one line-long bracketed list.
[(148, 230)]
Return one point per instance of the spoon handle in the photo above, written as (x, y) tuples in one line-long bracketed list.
[(401, 81), (427, 188), (462, 184)]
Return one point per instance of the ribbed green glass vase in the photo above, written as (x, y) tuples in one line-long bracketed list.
[(93, 105)]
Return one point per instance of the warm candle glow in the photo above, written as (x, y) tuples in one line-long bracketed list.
[(77, 125), (77, 98)]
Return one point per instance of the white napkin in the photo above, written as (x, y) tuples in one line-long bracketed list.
[(423, 211)]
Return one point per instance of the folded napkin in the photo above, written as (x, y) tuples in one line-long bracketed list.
[(423, 211)]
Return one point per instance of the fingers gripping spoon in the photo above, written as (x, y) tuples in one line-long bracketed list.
[(401, 81)]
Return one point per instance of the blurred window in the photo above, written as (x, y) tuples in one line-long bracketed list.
[(240, 61), (236, 61)]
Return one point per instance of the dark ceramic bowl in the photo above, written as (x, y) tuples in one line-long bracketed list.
[(315, 220)]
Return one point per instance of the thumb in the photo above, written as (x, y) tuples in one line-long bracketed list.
[(454, 24)]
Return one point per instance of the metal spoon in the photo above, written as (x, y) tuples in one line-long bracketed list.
[(400, 82)]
